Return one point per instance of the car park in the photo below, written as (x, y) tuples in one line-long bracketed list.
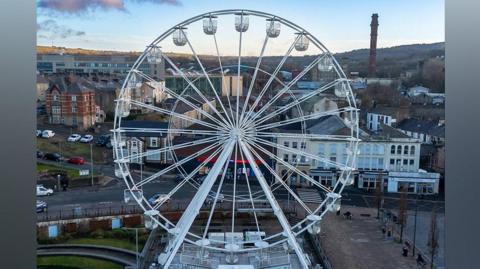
[(74, 138), (43, 191), (41, 206), (76, 160), (86, 139), (103, 140), (158, 198), (52, 157), (48, 133)]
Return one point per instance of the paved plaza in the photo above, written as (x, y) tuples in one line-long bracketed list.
[(359, 242)]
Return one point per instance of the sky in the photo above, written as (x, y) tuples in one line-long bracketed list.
[(341, 25)]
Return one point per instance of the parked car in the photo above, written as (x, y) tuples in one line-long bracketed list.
[(74, 138), (52, 157), (40, 154), (157, 198), (86, 139), (103, 140), (38, 133), (41, 206), (47, 133), (109, 145), (77, 160), (42, 191)]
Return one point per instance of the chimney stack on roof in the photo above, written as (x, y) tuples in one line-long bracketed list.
[(372, 66)]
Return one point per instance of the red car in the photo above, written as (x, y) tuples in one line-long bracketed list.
[(77, 160)]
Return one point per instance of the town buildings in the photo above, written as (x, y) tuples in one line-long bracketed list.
[(71, 101)]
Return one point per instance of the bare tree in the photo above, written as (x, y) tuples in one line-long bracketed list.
[(379, 193), (402, 211), (433, 235)]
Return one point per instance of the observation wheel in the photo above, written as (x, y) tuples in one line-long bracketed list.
[(233, 134)]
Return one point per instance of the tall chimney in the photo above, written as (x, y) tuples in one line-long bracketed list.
[(372, 66)]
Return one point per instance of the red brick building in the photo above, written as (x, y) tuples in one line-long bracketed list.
[(71, 101)]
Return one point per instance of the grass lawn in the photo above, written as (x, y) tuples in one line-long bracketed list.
[(70, 262), (68, 149), (41, 167), (111, 242)]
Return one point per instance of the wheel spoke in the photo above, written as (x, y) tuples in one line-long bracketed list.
[(299, 101), (169, 148), (190, 175), (312, 116), (285, 89), (209, 81), (177, 164), (209, 103), (182, 99), (280, 180), (270, 80), (291, 167), (238, 77), (250, 192), (175, 114), (234, 189), (259, 61)]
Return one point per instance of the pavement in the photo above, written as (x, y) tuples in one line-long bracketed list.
[(360, 244)]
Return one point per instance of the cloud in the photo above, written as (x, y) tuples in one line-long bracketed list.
[(50, 29), (79, 7)]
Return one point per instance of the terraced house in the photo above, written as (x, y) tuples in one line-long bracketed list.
[(71, 101)]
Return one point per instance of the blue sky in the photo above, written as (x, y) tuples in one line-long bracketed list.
[(341, 25)]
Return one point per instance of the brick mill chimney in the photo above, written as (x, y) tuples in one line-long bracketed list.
[(372, 65)]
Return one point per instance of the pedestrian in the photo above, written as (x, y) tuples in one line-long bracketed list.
[(384, 231), (405, 251), (420, 260)]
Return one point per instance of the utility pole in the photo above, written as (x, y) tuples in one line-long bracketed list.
[(91, 162)]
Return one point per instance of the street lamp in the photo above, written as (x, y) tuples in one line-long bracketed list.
[(415, 224)]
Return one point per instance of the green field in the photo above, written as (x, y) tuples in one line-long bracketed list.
[(42, 168), (69, 149), (111, 242), (69, 262)]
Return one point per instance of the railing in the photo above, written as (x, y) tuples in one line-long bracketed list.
[(124, 209)]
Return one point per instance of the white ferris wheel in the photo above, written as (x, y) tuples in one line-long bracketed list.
[(233, 134)]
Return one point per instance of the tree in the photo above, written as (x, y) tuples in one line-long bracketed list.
[(379, 193), (433, 235), (402, 211)]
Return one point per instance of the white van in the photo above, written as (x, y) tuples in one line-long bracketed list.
[(42, 191), (47, 133)]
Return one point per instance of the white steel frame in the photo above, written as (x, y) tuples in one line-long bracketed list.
[(237, 131)]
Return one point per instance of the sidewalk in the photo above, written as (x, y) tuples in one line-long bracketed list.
[(360, 244)]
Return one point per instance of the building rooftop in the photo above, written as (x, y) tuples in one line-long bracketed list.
[(144, 125), (433, 128)]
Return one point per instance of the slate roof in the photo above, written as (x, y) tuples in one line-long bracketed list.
[(421, 126), (72, 85)]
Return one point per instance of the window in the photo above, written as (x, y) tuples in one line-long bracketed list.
[(134, 143), (399, 149), (56, 110), (412, 161), (303, 145), (286, 144), (392, 161), (392, 149), (74, 121), (74, 109), (333, 149), (405, 150), (74, 98), (399, 161), (321, 149), (386, 120), (294, 145), (367, 149), (412, 150), (303, 159), (154, 142), (405, 162), (294, 158), (285, 157), (56, 97)]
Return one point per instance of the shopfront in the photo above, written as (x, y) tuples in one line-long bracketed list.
[(414, 182)]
